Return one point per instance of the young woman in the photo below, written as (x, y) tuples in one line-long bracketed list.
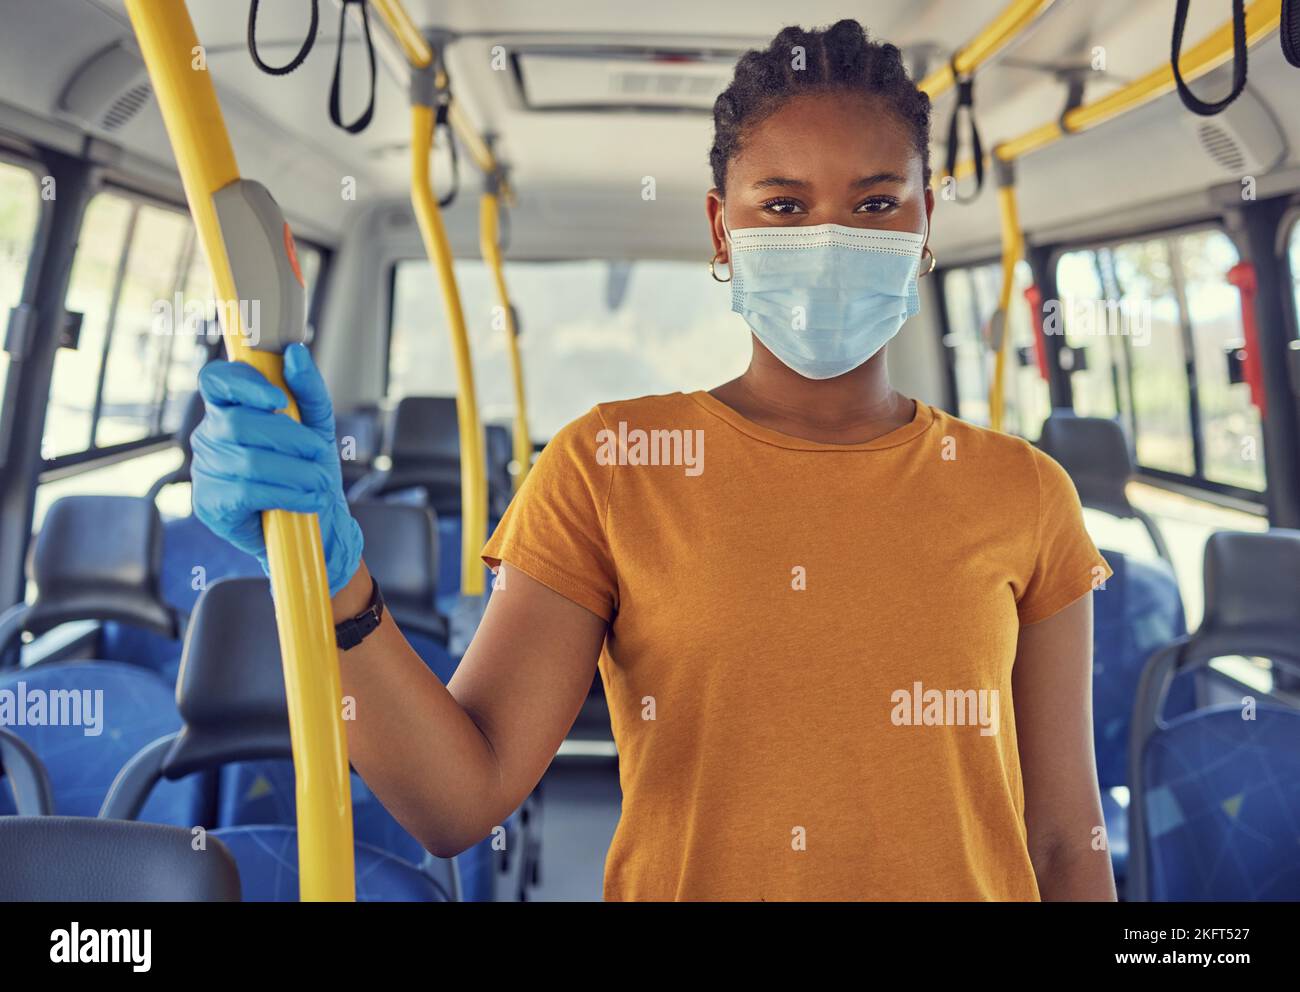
[(845, 637)]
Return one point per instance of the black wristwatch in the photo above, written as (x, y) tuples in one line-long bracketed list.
[(350, 633)]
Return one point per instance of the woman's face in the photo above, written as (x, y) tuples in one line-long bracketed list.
[(824, 158)]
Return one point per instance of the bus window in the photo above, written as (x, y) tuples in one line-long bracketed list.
[(971, 297), (129, 270), (1152, 322), (20, 206), (591, 331), (1230, 427)]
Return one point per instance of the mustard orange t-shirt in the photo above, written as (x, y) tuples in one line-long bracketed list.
[(809, 654)]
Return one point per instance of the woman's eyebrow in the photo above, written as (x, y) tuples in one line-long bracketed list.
[(778, 181), (878, 177)]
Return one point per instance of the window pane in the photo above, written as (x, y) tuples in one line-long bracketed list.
[(133, 380), (583, 341), (1158, 359), (20, 203), (1078, 282), (965, 337), (135, 335), (90, 291), (1231, 432)]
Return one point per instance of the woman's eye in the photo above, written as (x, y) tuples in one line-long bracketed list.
[(877, 205), (783, 205)]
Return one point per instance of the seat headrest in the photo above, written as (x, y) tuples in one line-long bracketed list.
[(1252, 588), (190, 420), (82, 859), (1095, 453), (401, 544), (362, 426), (424, 428), (100, 558), (230, 691)]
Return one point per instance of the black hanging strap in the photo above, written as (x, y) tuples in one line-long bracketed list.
[(297, 60), (336, 114), (1289, 28), (965, 101), (1239, 54), (442, 120)]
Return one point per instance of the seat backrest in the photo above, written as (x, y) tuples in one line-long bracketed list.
[(24, 772), (99, 558), (191, 417), (1252, 593), (1137, 611), (1095, 453), (268, 864), (359, 432), (401, 545), (422, 444), (1221, 800), (1252, 583), (85, 720), (424, 429), (499, 453), (71, 859), (235, 717)]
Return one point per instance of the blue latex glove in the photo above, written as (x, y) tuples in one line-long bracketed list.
[(248, 458)]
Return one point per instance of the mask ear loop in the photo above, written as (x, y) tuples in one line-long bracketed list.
[(713, 262), (925, 250)]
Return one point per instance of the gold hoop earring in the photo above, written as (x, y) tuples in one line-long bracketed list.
[(713, 270), (934, 260)]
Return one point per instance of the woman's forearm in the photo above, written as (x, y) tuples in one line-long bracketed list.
[(412, 742)]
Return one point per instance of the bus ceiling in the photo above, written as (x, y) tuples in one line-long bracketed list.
[(512, 67)]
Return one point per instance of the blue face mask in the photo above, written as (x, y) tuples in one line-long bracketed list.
[(824, 299)]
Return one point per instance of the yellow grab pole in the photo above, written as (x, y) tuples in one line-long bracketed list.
[(419, 53), (1262, 18), (489, 240), (1014, 19), (473, 487), (1012, 248), (206, 161)]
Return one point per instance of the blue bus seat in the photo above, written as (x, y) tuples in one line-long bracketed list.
[(1216, 792), (110, 861), (233, 710), (1095, 452), (23, 777), (267, 857), (129, 709)]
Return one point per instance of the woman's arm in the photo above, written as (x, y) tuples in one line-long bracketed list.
[(452, 762), (1052, 688)]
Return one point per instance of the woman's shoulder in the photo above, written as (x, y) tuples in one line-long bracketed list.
[(1003, 456)]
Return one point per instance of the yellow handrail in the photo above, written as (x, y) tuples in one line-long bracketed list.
[(1013, 245), (419, 53), (1262, 17), (1014, 19), (489, 241), (473, 482), (206, 162)]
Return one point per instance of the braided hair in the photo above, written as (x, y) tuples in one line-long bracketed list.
[(838, 58)]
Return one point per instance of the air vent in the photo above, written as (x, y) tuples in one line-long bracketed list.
[(1243, 140), (107, 90), (126, 106), (621, 78)]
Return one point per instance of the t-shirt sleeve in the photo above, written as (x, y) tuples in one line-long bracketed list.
[(1066, 563), (554, 529)]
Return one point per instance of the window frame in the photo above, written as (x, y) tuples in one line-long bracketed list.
[(26, 295), (1235, 497), (100, 456)]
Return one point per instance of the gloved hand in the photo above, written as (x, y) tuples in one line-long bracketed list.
[(248, 459)]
